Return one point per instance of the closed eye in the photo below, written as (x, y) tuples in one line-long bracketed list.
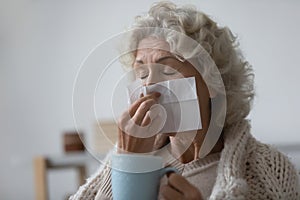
[(143, 77), (169, 73), (142, 74)]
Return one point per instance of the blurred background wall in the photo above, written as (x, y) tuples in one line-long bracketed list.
[(42, 44)]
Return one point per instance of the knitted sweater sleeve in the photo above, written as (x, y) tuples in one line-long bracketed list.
[(98, 186), (251, 170), (277, 173)]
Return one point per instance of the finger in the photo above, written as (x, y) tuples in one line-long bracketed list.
[(170, 194), (179, 183), (158, 117), (146, 121), (133, 108), (120, 138), (142, 110)]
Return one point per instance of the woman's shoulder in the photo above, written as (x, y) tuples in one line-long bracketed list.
[(274, 170), (268, 156)]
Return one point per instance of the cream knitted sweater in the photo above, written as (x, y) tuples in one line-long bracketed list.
[(247, 169)]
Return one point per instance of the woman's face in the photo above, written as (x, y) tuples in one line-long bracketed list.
[(153, 65)]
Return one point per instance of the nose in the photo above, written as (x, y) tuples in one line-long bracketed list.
[(152, 78), (155, 74)]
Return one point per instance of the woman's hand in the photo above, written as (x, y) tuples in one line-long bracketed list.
[(179, 188), (139, 113)]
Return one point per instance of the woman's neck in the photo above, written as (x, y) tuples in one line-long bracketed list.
[(192, 153)]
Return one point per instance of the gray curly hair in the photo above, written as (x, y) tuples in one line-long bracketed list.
[(219, 43)]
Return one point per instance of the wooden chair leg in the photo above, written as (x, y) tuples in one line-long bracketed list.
[(40, 169), (82, 174)]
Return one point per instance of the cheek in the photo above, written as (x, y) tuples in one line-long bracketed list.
[(203, 96), (202, 89)]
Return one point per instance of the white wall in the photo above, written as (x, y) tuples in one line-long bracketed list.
[(42, 44)]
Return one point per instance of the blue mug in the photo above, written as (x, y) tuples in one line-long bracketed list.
[(137, 177)]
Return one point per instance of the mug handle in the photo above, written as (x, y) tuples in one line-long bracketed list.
[(167, 170)]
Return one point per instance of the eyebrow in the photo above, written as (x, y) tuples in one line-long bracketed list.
[(157, 61)]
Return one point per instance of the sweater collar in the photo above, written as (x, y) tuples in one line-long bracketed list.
[(230, 182)]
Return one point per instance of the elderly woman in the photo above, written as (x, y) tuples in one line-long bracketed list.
[(235, 165)]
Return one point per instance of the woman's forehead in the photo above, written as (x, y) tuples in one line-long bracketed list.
[(153, 43), (151, 54), (152, 47)]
